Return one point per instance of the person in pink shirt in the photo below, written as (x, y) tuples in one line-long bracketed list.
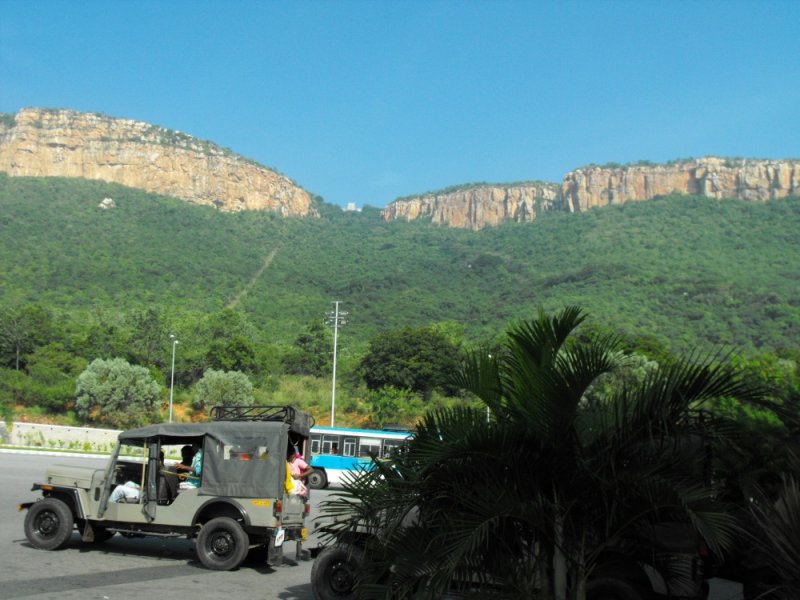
[(300, 469)]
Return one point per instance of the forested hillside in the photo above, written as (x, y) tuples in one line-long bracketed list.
[(687, 270), (674, 273)]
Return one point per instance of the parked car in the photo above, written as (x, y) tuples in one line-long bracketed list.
[(236, 503)]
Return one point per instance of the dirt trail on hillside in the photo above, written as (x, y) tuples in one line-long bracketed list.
[(267, 262)]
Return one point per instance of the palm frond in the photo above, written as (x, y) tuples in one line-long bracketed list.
[(776, 533)]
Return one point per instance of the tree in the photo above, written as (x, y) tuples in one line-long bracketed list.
[(53, 371), (386, 404), (418, 359), (629, 369), (106, 337), (234, 354), (311, 354), (220, 388), (117, 394), (528, 501), (16, 388), (226, 324), (148, 338), (22, 330)]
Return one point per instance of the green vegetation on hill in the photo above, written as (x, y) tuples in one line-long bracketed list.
[(687, 271), (247, 291)]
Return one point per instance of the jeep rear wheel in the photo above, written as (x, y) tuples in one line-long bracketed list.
[(317, 480), (222, 544), (48, 524), (335, 571)]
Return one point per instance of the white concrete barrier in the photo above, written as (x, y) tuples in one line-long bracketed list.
[(58, 437)]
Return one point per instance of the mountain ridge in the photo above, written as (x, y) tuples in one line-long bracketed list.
[(478, 206), (62, 142), (66, 143)]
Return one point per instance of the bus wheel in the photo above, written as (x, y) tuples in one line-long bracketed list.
[(334, 574), (317, 480)]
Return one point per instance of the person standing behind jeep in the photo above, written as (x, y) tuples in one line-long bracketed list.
[(299, 470), (194, 471)]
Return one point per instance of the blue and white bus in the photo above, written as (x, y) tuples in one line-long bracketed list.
[(336, 451)]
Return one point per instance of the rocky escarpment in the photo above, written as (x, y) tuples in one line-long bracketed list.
[(477, 206), (755, 180), (64, 143)]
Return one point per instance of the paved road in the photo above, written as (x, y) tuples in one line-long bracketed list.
[(139, 568), (123, 568)]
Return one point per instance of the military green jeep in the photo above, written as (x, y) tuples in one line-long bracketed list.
[(237, 502)]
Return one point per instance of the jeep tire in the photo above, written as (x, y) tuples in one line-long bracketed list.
[(49, 524), (334, 573), (222, 544)]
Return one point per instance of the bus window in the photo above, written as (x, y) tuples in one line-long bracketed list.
[(389, 445), (369, 445), (330, 444), (349, 447), (314, 444)]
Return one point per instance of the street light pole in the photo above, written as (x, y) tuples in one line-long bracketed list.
[(172, 377), (336, 318)]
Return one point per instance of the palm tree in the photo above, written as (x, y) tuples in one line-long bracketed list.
[(527, 502), (774, 533)]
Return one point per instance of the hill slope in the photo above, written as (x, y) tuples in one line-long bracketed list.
[(687, 270)]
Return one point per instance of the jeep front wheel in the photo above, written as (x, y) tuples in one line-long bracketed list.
[(48, 524), (222, 544), (334, 574)]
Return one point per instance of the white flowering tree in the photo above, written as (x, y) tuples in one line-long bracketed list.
[(222, 388), (117, 394)]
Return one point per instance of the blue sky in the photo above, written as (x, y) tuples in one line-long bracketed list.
[(367, 101)]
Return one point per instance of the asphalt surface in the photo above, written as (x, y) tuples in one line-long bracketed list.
[(124, 568)]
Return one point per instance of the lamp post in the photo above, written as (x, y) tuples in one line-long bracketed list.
[(172, 376), (335, 318)]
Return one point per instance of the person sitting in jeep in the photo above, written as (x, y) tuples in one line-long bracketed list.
[(193, 472), (130, 491)]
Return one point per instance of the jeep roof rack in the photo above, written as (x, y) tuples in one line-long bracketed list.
[(285, 414)]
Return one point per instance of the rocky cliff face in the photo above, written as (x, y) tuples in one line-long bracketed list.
[(755, 180), (50, 143), (479, 206), (475, 207)]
